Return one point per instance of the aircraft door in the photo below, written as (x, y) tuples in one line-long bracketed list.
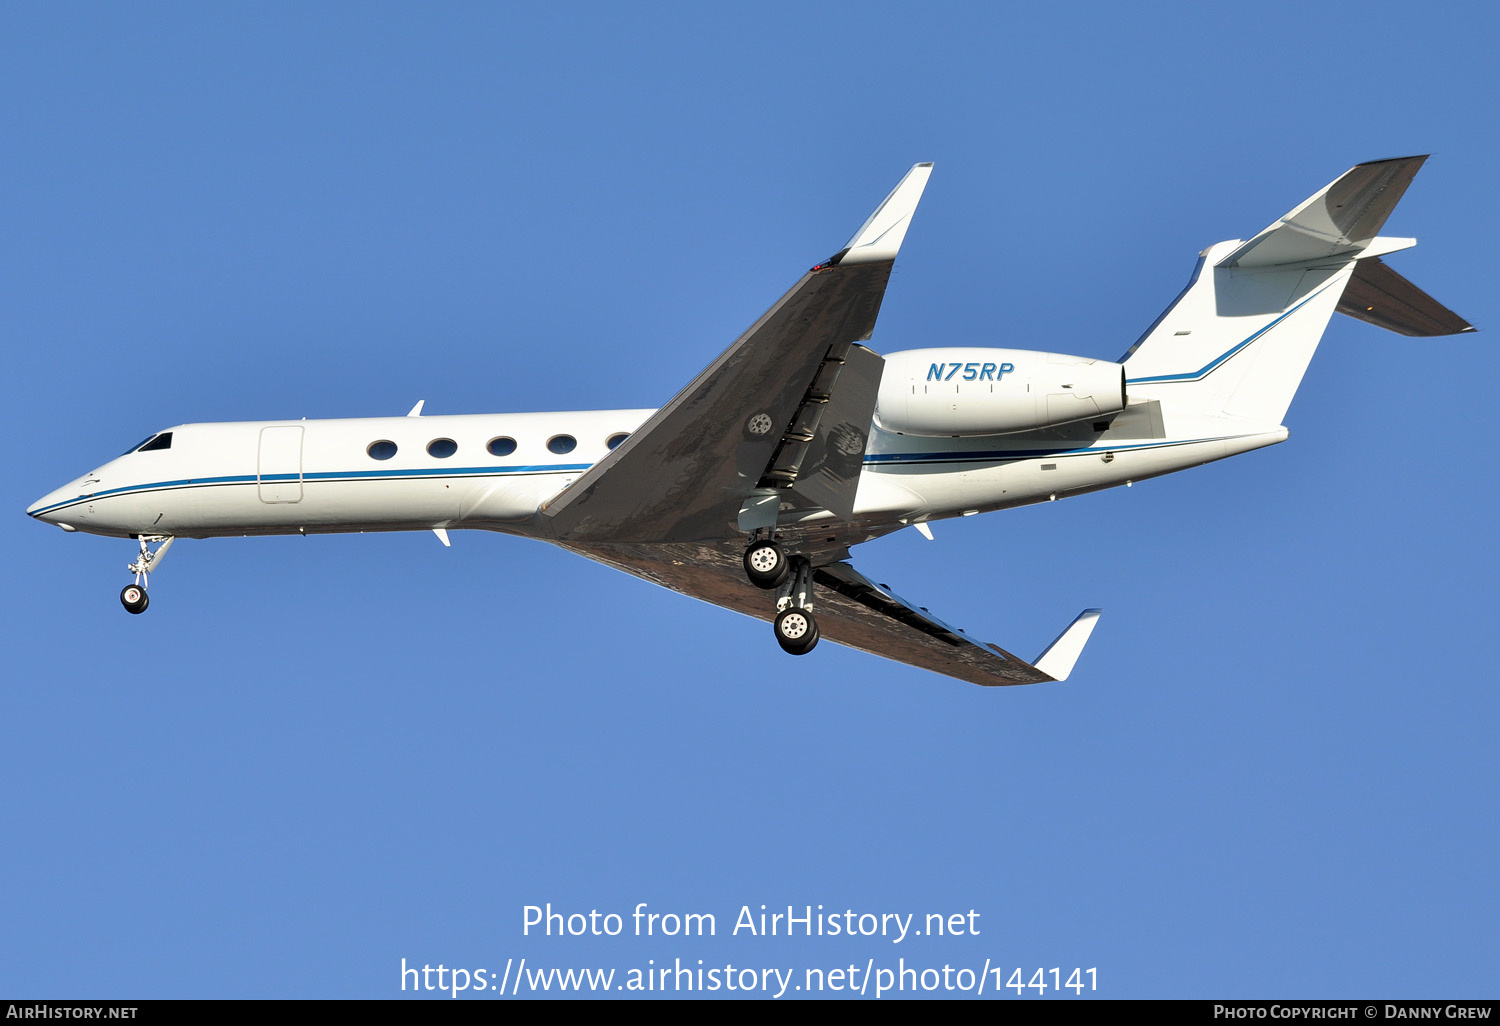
[(279, 470)]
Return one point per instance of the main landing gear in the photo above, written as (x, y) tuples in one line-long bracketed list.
[(796, 630), (133, 596), (768, 566)]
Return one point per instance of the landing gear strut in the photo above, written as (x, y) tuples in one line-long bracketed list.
[(796, 630), (133, 596)]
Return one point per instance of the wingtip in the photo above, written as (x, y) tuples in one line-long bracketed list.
[(880, 237), (1060, 657), (1396, 160)]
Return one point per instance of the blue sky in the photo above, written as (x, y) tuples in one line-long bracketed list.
[(1273, 773)]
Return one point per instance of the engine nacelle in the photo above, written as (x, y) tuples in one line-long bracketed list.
[(993, 391)]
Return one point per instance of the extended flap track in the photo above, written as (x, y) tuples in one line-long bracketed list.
[(791, 454), (887, 606)]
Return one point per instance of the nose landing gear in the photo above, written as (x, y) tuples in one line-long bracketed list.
[(133, 596)]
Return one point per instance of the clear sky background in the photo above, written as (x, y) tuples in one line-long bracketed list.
[(1274, 771)]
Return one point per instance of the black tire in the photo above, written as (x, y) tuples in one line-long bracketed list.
[(796, 631), (766, 564), (134, 598)]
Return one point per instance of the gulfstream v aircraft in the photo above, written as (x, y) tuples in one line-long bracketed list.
[(750, 487)]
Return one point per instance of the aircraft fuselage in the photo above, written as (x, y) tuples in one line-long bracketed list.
[(323, 476)]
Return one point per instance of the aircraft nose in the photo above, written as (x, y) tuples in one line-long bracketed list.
[(45, 508)]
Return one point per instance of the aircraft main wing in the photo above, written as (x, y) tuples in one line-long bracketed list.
[(776, 419), (851, 610), (685, 474)]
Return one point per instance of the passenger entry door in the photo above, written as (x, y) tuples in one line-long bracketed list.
[(279, 470)]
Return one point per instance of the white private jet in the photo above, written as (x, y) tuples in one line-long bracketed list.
[(748, 488)]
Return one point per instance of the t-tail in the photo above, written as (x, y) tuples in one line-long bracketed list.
[(1238, 339)]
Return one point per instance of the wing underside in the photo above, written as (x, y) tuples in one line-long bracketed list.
[(851, 610)]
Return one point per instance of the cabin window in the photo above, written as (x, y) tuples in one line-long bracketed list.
[(501, 446), (615, 440), (442, 448), (161, 441), (561, 444), (382, 450)]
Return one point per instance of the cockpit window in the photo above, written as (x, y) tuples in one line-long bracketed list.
[(151, 443)]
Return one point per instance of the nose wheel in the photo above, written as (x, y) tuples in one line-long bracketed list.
[(133, 596), (796, 629)]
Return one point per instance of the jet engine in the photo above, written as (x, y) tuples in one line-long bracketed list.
[(956, 392)]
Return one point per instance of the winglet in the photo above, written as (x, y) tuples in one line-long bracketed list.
[(880, 237), (1057, 662)]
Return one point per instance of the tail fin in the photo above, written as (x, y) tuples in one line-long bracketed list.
[(1239, 338)]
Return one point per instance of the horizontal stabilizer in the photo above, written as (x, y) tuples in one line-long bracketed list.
[(1378, 295), (1339, 221), (1057, 662)]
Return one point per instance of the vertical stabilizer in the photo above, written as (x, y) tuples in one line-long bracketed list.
[(1238, 339)]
